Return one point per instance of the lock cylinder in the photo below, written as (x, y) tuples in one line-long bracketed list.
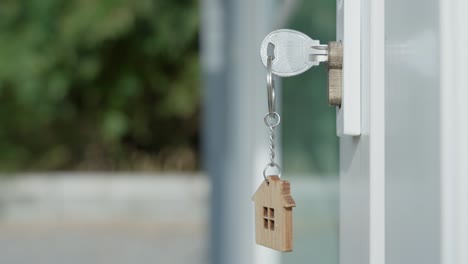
[(335, 67)]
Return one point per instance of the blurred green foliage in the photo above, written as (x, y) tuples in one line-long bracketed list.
[(98, 84)]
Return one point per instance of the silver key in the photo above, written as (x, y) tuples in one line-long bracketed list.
[(293, 52)]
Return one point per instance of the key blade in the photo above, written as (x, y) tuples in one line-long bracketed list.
[(319, 53)]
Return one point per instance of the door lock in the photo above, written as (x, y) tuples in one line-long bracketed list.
[(335, 75), (293, 53)]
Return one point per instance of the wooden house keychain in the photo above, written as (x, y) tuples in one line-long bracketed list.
[(273, 201)]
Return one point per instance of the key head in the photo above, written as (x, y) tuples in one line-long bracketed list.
[(293, 52)]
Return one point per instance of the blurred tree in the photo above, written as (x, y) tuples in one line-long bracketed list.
[(107, 84)]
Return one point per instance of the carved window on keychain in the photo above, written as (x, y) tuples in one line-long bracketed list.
[(269, 218)]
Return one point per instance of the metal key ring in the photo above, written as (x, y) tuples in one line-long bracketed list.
[(272, 165), (270, 87), (272, 120)]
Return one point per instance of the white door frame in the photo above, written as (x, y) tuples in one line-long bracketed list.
[(362, 159), (365, 201), (454, 131)]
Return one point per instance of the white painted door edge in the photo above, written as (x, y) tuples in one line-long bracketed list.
[(454, 131), (348, 116)]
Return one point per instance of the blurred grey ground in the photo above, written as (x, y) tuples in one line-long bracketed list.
[(136, 218), (116, 218)]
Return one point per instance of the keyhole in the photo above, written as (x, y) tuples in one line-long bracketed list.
[(271, 51)]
